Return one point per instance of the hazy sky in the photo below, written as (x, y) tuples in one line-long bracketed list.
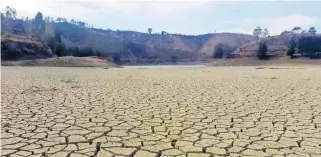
[(181, 16)]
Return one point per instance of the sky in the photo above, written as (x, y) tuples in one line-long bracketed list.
[(179, 16)]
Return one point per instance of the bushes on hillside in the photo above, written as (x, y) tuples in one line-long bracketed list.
[(310, 46), (222, 51)]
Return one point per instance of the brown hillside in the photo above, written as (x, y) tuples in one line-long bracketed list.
[(277, 46), (132, 44), (231, 39)]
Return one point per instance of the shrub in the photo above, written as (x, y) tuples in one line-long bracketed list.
[(222, 51), (262, 52), (218, 51), (291, 46), (116, 57), (173, 59), (60, 50)]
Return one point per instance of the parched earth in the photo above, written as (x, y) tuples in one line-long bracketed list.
[(193, 112)]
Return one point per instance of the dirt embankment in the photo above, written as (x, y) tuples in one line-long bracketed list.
[(14, 47), (281, 61), (63, 62)]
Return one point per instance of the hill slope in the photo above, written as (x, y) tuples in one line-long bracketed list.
[(132, 44), (277, 46), (231, 39)]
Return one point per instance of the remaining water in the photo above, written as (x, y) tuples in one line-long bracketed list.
[(162, 66)]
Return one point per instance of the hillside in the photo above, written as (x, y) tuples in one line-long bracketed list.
[(277, 46), (231, 39), (132, 44)]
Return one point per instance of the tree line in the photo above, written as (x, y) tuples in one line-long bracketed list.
[(303, 42)]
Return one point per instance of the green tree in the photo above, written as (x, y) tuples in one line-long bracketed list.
[(296, 30), (38, 28), (312, 31), (164, 33), (310, 46), (150, 30), (257, 32), (173, 59), (265, 33), (262, 51), (60, 49), (7, 20), (291, 48), (285, 32), (11, 13), (218, 51), (49, 32), (58, 36), (261, 33)]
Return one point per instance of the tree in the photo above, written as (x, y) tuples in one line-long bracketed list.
[(48, 33), (116, 57), (60, 49), (286, 32), (73, 22), (312, 31), (38, 28), (296, 30), (11, 13), (150, 30), (5, 25), (7, 20), (310, 46), (58, 36), (164, 33), (52, 44), (173, 59), (265, 33), (262, 52), (218, 51), (227, 50), (257, 32), (291, 48), (222, 51)]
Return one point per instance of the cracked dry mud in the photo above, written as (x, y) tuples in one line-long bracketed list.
[(193, 112)]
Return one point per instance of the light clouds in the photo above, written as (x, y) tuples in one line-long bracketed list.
[(277, 25), (181, 16)]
